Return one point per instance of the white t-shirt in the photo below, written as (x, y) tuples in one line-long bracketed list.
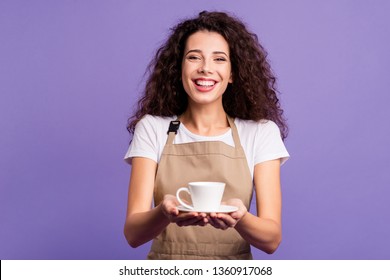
[(261, 140)]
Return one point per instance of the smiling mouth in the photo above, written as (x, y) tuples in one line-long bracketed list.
[(205, 83)]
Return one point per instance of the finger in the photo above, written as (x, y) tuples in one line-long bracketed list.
[(202, 214), (188, 222), (213, 215), (214, 223), (227, 219), (188, 215), (173, 211), (201, 222), (218, 223), (237, 215)]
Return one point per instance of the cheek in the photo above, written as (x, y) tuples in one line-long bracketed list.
[(226, 73), (229, 76), (185, 72), (185, 82)]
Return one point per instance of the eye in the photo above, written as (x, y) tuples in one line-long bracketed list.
[(220, 59), (193, 57)]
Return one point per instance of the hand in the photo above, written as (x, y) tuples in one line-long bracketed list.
[(229, 220), (169, 208)]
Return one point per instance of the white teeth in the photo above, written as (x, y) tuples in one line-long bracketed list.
[(205, 83)]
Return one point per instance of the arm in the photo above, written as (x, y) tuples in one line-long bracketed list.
[(143, 222), (264, 230)]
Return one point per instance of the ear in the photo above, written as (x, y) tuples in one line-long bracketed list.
[(231, 78)]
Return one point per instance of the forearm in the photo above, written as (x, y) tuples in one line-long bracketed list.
[(264, 234), (144, 226)]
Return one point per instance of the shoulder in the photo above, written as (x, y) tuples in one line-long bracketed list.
[(149, 137), (155, 120), (257, 128), (261, 140), (155, 124)]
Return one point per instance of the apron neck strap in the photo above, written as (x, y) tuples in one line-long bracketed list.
[(174, 127), (172, 131), (233, 127)]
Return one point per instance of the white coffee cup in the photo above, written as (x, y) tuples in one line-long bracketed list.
[(205, 196)]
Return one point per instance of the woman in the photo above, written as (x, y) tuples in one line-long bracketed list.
[(213, 77)]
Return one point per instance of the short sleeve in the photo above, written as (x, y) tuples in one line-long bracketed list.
[(144, 142), (269, 144)]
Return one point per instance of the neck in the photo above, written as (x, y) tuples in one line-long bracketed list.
[(205, 122)]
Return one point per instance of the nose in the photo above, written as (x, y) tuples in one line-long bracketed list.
[(205, 68)]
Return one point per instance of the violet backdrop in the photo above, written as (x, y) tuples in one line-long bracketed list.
[(71, 72)]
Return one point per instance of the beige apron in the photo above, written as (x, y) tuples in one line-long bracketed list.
[(202, 161)]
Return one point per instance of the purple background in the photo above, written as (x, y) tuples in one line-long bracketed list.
[(70, 72)]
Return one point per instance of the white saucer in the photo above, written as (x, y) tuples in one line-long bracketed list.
[(222, 209)]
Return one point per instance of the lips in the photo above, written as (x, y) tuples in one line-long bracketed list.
[(204, 84)]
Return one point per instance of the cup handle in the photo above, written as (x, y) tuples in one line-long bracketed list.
[(181, 201)]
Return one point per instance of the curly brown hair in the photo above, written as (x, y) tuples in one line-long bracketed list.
[(251, 96)]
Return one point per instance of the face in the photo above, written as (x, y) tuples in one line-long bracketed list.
[(206, 68)]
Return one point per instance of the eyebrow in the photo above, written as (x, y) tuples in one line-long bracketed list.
[(199, 51)]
